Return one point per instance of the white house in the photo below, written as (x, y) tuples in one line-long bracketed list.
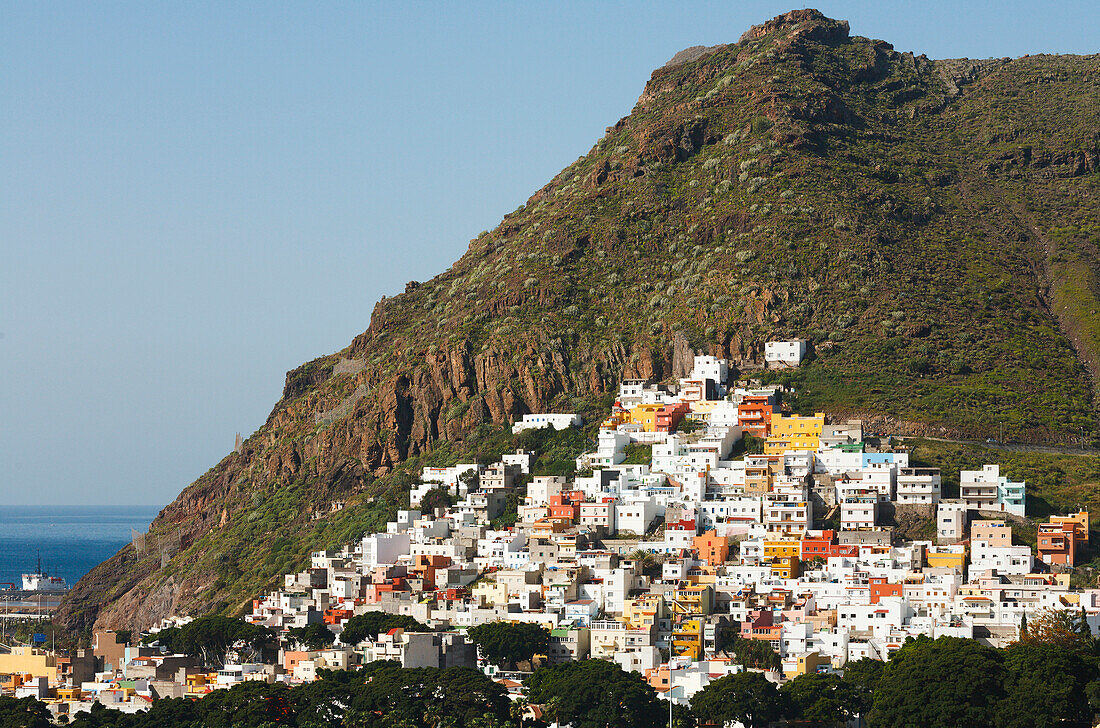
[(558, 421), (784, 353)]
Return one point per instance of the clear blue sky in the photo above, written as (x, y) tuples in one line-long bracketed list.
[(196, 197)]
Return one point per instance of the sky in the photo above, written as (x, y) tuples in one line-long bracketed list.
[(197, 197)]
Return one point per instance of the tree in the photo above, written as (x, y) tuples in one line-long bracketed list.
[(211, 638), (314, 636), (941, 683), (385, 694), (821, 699), (863, 676), (747, 697), (596, 694), (23, 713), (1059, 627), (471, 479), (506, 643), (436, 498), (371, 624), (250, 703), (1046, 686), (754, 653)]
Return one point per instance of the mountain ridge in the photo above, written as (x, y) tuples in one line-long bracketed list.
[(930, 226)]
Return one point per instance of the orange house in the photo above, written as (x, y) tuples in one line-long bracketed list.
[(755, 415), (713, 549), (761, 626), (817, 547), (669, 416), (880, 588), (1057, 544), (336, 616)]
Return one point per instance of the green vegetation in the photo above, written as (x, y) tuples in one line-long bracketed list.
[(596, 694), (753, 653), (1050, 678), (23, 713), (505, 644), (638, 454), (210, 638), (745, 697), (379, 695), (370, 624), (312, 637), (1055, 483), (822, 699)]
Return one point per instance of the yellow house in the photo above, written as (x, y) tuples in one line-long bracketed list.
[(947, 557), (616, 419), (781, 548), (29, 661), (693, 599), (644, 610), (785, 567), (490, 592), (1080, 521), (794, 432), (806, 663), (645, 415), (759, 476), (687, 638)]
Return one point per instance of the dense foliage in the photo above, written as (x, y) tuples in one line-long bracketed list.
[(312, 637), (370, 624), (23, 713), (596, 694), (210, 638), (1050, 679), (745, 697), (380, 695), (506, 643)]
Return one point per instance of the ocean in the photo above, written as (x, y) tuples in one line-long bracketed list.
[(70, 539)]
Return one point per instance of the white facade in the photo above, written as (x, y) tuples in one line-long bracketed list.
[(988, 490), (784, 353), (384, 548), (557, 421), (918, 486), (858, 513), (950, 521)]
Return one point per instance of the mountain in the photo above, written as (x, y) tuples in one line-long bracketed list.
[(933, 227)]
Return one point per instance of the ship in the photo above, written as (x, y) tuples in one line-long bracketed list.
[(40, 581)]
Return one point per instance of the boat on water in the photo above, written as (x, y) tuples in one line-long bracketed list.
[(40, 581)]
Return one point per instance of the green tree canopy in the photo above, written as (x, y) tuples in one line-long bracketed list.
[(506, 643), (371, 624), (821, 699), (23, 713), (942, 683), (753, 653), (747, 697), (314, 636), (596, 694), (863, 676), (210, 638), (1046, 686)]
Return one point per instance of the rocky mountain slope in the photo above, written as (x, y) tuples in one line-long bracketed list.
[(932, 226)]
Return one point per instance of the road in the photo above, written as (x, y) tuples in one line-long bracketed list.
[(1014, 447)]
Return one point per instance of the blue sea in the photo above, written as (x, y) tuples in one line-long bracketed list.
[(70, 539)]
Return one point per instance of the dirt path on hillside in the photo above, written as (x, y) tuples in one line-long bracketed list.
[(1014, 447)]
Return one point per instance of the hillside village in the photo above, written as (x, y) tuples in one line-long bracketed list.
[(657, 566)]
